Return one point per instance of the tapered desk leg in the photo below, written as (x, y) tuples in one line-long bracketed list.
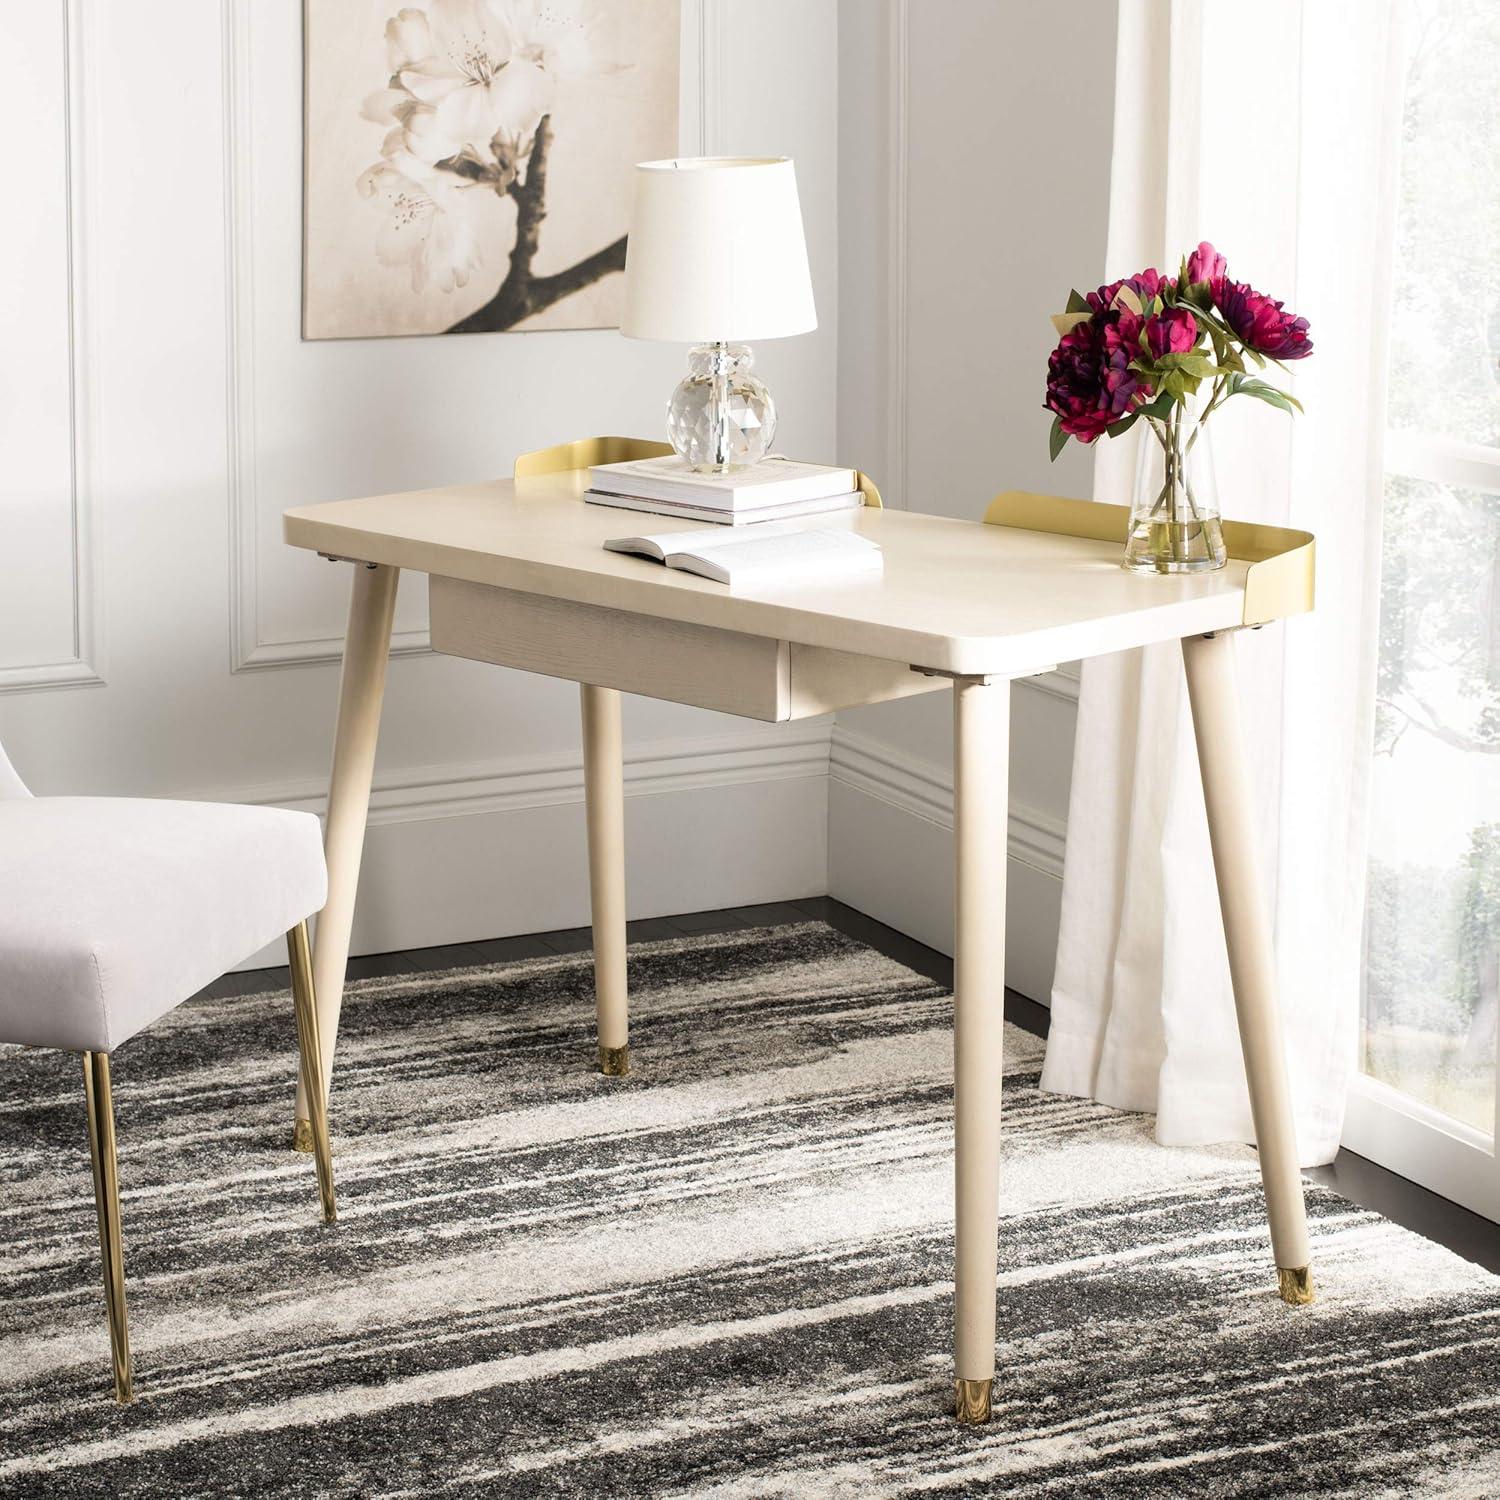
[(372, 605), (1209, 661), (604, 791), (981, 768)]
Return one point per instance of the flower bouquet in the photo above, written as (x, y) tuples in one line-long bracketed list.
[(1143, 347)]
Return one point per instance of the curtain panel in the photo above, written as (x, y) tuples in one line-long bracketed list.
[(1270, 129)]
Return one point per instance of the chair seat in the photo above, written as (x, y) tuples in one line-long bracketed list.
[(115, 910)]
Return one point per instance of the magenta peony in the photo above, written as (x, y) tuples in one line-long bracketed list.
[(1206, 264), (1140, 347), (1090, 384), (1147, 283), (1174, 330), (1259, 322)]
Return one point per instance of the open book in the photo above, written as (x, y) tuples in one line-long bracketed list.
[(766, 557)]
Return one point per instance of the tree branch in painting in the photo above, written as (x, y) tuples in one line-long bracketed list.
[(522, 294), (467, 111)]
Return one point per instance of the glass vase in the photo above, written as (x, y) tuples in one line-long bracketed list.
[(1174, 514)]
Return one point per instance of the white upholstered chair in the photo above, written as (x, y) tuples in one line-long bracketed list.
[(113, 911)]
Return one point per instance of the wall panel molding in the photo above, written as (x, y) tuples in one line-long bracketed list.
[(514, 783), (898, 153), (924, 790), (1061, 682), (82, 667), (883, 801), (248, 650)]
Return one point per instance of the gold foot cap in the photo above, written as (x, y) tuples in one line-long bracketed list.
[(1296, 1284), (971, 1400), (614, 1062), (302, 1136)]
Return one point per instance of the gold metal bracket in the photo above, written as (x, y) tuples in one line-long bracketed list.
[(614, 1062), (971, 1400), (1296, 1284), (1278, 582)]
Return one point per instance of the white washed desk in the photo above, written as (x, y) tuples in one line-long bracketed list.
[(519, 577)]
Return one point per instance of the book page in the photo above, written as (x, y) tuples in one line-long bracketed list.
[(665, 542), (787, 554)]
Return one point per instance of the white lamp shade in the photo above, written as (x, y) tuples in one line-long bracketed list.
[(716, 252)]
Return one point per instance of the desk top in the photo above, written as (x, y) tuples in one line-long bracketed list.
[(955, 596)]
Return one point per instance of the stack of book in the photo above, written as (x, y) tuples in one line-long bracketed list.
[(775, 489)]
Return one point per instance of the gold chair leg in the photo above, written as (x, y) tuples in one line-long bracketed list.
[(101, 1112), (299, 952)]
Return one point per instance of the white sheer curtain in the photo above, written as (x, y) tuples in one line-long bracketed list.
[(1271, 130)]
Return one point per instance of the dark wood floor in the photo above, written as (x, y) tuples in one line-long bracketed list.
[(1353, 1176)]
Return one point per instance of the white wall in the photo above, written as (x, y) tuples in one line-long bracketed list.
[(159, 411), (975, 150)]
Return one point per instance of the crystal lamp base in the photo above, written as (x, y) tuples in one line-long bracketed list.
[(721, 417)]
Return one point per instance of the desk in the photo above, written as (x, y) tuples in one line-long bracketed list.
[(518, 577)]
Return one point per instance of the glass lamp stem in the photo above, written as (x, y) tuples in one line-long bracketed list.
[(719, 371)]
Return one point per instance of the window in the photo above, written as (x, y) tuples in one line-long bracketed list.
[(1432, 927)]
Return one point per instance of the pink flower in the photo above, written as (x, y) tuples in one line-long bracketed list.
[(1206, 264), (1259, 322), (1090, 385), (1148, 283), (1174, 330)]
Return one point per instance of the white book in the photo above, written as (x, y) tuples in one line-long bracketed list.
[(761, 514), (773, 481), (767, 557)]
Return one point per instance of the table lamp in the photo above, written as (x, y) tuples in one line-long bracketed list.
[(716, 256)]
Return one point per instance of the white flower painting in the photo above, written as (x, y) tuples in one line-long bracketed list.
[(468, 161)]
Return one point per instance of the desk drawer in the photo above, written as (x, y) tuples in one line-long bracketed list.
[(748, 675), (709, 668)]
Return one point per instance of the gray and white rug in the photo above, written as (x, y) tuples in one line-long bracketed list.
[(727, 1275)]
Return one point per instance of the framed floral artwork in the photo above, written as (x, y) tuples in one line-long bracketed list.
[(467, 162)]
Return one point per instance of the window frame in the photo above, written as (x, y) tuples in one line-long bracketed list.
[(1396, 1130)]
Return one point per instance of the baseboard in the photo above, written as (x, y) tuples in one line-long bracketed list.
[(891, 856), (459, 853)]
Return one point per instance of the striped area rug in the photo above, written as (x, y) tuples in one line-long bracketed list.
[(727, 1275)]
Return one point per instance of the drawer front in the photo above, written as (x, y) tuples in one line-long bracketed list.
[(696, 664)]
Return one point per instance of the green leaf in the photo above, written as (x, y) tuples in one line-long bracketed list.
[(1159, 407), (1123, 425), (1058, 441), (1190, 363), (1066, 322), (1077, 302), (1244, 385), (1179, 383)]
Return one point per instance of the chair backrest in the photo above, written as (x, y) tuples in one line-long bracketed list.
[(11, 785)]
